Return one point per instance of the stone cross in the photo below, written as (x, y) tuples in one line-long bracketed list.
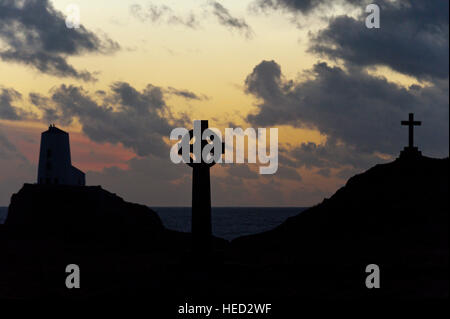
[(201, 190), (411, 123)]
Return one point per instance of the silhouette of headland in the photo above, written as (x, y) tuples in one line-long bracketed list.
[(394, 215)]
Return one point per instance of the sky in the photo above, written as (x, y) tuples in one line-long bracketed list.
[(134, 70)]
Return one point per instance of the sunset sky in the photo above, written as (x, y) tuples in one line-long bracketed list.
[(335, 90)]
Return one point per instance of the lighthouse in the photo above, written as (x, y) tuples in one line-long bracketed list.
[(55, 166)]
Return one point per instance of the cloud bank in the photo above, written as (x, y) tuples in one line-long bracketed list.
[(34, 33), (137, 119), (413, 39), (354, 110)]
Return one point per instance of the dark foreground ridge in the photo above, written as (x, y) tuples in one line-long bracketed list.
[(87, 215), (62, 210), (389, 208), (394, 215)]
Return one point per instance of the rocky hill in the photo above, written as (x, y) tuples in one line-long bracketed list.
[(394, 215)]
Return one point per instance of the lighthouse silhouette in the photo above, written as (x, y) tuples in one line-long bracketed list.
[(55, 166)]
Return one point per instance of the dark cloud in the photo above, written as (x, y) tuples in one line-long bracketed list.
[(7, 110), (137, 119), (44, 104), (288, 173), (328, 159), (346, 173), (189, 95), (14, 169), (150, 180), (284, 159), (226, 19), (46, 63), (242, 170), (6, 147), (34, 33), (236, 190), (157, 181), (303, 6), (413, 39), (361, 111), (162, 14), (242, 185), (325, 172), (332, 154), (14, 172), (345, 160)]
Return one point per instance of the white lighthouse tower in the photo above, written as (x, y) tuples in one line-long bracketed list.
[(55, 166)]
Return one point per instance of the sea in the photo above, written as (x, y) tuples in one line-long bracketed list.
[(228, 222)]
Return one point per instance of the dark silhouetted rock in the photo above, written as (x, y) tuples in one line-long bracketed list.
[(76, 207), (121, 248), (394, 215), (87, 215), (77, 212)]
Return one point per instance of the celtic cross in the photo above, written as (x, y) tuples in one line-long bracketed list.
[(201, 187)]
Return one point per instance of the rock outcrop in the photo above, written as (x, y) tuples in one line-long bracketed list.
[(394, 215), (78, 213)]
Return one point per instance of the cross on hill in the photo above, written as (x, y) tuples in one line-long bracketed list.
[(411, 123), (411, 151)]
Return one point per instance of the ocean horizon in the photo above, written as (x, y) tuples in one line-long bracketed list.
[(227, 222)]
